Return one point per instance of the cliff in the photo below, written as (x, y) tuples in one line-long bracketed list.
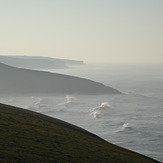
[(38, 62), (22, 81)]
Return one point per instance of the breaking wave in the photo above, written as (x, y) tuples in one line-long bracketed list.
[(69, 101), (38, 105), (130, 126), (101, 110)]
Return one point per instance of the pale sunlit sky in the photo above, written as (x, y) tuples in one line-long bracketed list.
[(89, 30)]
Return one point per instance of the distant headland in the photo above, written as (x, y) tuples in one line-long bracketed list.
[(38, 62), (24, 81)]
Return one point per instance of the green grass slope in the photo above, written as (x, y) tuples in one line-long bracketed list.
[(28, 137)]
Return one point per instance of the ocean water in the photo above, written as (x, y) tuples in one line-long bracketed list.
[(133, 120)]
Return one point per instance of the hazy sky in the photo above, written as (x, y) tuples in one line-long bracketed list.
[(90, 30)]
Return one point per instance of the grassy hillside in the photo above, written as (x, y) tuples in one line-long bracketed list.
[(32, 137)]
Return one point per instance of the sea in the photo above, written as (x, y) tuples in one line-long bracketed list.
[(133, 120)]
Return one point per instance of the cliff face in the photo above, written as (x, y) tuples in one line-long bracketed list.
[(32, 62), (38, 62), (17, 80), (28, 136)]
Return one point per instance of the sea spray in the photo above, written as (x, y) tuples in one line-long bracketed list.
[(130, 126), (101, 110), (38, 105), (69, 101)]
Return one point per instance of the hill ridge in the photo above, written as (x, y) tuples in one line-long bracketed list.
[(25, 81), (27, 136)]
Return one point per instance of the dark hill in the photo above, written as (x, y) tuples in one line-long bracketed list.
[(19, 81), (29, 137)]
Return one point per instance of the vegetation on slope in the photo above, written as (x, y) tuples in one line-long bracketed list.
[(32, 137)]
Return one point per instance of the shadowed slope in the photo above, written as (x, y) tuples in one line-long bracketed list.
[(27, 136), (17, 80)]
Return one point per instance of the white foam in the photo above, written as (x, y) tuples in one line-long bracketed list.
[(38, 104), (130, 126), (101, 110), (69, 101)]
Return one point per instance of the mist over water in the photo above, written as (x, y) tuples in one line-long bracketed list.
[(133, 120)]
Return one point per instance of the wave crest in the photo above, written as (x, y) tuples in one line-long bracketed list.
[(130, 126), (101, 110), (69, 101)]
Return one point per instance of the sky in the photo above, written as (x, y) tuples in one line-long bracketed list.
[(88, 30)]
